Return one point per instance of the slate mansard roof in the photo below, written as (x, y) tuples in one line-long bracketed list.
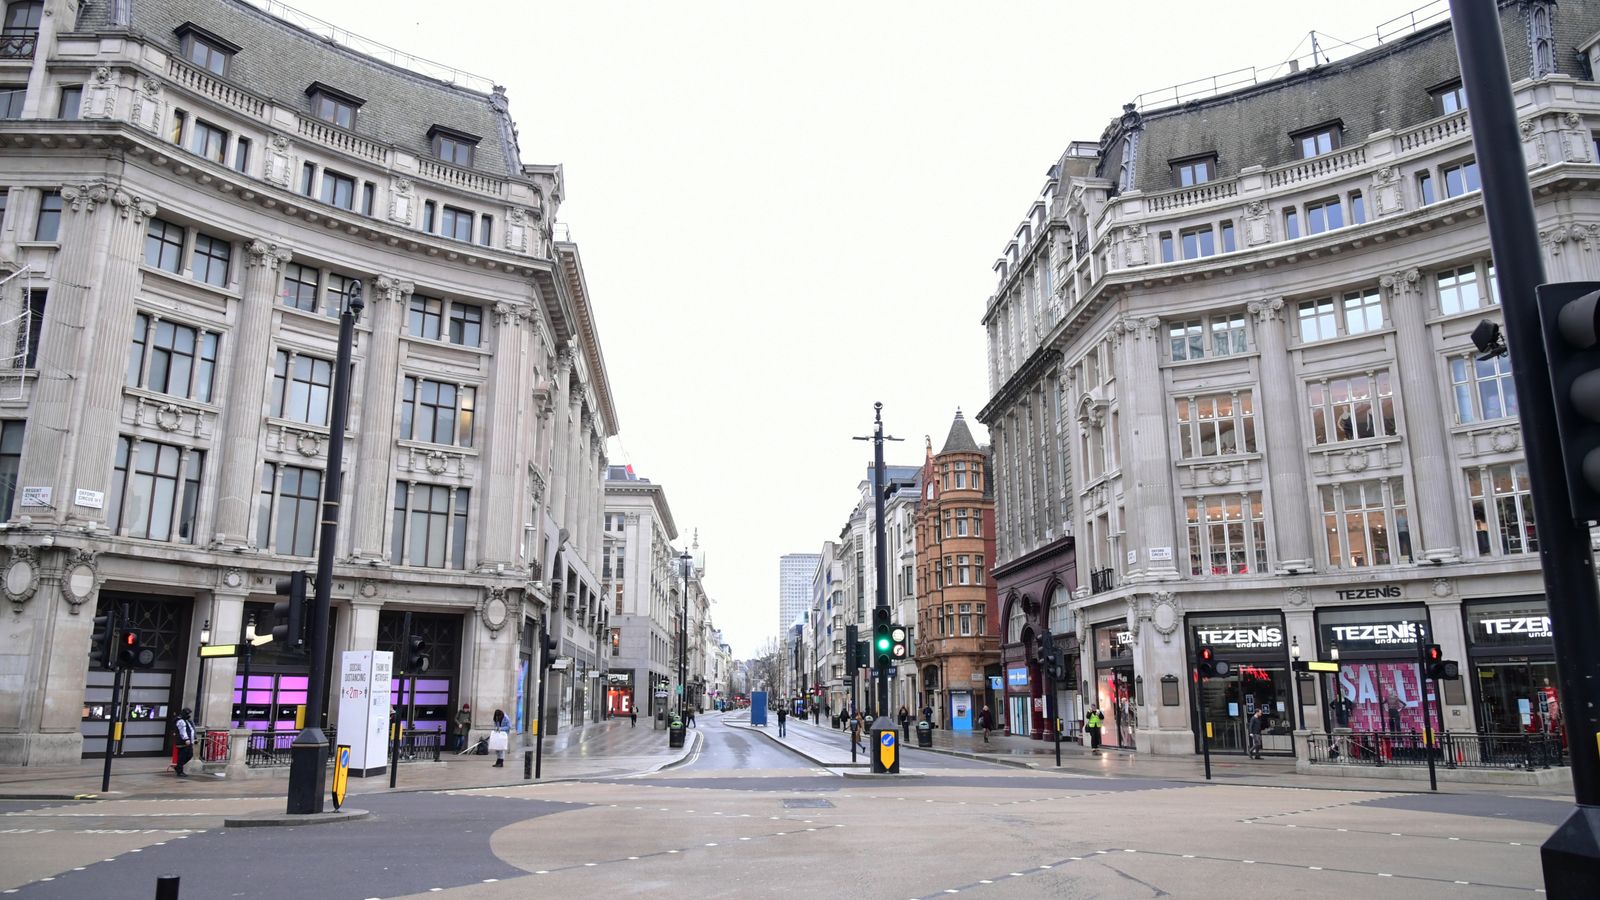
[(1385, 87), (279, 60)]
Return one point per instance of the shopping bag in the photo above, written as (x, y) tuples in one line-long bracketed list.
[(497, 740)]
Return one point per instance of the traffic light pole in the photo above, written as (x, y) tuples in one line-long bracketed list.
[(1571, 857), (544, 675), (1427, 720), (885, 758), (308, 766), (111, 725)]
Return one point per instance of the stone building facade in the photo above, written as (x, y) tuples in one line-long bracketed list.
[(1236, 401), (640, 567), (957, 633), (190, 189)]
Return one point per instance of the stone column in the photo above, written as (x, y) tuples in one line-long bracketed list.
[(1149, 490), (373, 471), (240, 441), (1278, 417), (227, 625), (72, 427), (1449, 632), (499, 526), (1432, 493), (364, 621), (1300, 624), (560, 434)]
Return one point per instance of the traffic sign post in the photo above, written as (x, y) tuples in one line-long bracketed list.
[(341, 774), (885, 748)]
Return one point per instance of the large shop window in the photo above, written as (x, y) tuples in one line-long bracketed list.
[(154, 490), (430, 526), (1378, 688), (436, 412), (1227, 534), (170, 358), (1216, 425), (1254, 643), (292, 494), (1351, 408), (1502, 509), (1366, 523), (1483, 388), (1512, 650)]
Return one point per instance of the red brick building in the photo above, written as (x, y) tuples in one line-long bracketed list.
[(958, 619)]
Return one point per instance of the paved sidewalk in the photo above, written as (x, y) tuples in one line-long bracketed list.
[(1076, 759), (596, 750)]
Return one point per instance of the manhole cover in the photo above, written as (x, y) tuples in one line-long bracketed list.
[(807, 803)]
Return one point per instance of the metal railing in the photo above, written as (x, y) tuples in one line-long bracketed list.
[(1452, 750), (266, 749), (421, 746), (18, 43), (1102, 580)]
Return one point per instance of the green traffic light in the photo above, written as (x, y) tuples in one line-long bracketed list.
[(883, 643)]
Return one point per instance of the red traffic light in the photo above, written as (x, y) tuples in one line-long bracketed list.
[(1206, 654), (131, 639), (1434, 652)]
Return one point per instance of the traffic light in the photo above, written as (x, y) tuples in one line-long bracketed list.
[(850, 638), (1436, 666), (882, 641), (549, 650), (103, 640), (132, 654), (1207, 664), (901, 648), (1569, 315), (288, 614), (418, 655)]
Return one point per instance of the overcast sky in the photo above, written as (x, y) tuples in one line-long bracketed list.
[(789, 211)]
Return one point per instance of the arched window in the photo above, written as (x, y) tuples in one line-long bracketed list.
[(1017, 622)]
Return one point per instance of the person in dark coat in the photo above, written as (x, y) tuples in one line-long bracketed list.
[(905, 723), (783, 721), (1258, 724), (985, 722)]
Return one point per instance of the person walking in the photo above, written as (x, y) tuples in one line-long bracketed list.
[(905, 723), (985, 722), (1091, 724), (857, 729), (927, 713), (1258, 724), (500, 738), (463, 725), (691, 717), (185, 730), (783, 721), (816, 714), (633, 717)]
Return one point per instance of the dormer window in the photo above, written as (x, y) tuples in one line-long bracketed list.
[(333, 106), (1194, 170), (1319, 140), (453, 147), (204, 49), (1449, 98)]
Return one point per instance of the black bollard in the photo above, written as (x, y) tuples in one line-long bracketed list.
[(167, 887)]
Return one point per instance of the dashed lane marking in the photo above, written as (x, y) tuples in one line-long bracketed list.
[(1430, 837)]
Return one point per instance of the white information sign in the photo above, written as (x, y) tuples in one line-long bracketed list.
[(90, 499), (1160, 554), (365, 680), (36, 496)]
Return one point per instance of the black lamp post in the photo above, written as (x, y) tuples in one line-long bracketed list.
[(308, 767), (200, 675), (686, 560), (1294, 682)]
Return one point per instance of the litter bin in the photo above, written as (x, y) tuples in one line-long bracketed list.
[(924, 733), (675, 733)]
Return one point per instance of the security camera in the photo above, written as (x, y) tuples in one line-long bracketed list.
[(1488, 339)]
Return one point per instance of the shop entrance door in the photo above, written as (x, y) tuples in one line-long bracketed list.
[(1118, 706), (1517, 695), (1228, 703)]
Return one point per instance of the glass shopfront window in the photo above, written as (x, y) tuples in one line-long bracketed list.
[(1255, 645), (1114, 684), (1378, 688), (1512, 654)]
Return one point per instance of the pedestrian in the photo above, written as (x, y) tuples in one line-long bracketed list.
[(984, 722), (185, 729), (500, 738), (691, 717), (904, 717), (816, 714), (1091, 724), (463, 725), (783, 719), (857, 727), (927, 713), (633, 717), (1258, 723)]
